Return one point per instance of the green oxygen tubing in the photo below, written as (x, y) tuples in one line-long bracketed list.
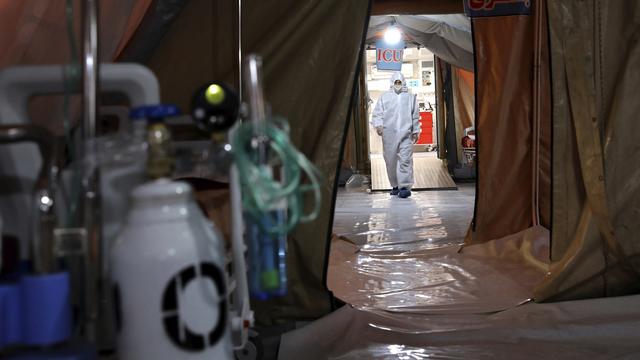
[(262, 190)]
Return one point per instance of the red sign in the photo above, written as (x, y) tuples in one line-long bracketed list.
[(479, 8), (389, 55)]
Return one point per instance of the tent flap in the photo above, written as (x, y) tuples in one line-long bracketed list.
[(503, 126), (596, 177), (299, 50)]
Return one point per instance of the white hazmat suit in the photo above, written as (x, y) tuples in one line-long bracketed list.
[(396, 112)]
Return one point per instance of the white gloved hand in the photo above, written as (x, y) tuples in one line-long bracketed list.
[(414, 137), (379, 130)]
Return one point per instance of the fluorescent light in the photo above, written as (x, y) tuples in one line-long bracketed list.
[(392, 35)]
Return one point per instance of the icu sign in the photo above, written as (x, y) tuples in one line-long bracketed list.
[(389, 57)]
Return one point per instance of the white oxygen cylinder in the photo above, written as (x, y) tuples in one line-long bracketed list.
[(167, 268)]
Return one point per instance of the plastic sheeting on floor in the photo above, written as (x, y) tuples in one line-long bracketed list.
[(404, 255), (413, 278), (587, 329), (428, 219), (413, 293), (439, 303)]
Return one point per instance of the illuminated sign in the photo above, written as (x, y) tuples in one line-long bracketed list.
[(389, 57)]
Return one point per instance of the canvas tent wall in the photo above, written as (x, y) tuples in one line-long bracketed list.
[(596, 189), (513, 119), (513, 125), (579, 178), (463, 83), (412, 7)]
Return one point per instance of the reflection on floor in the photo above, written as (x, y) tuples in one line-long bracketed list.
[(588, 329), (412, 293), (402, 255), (428, 171), (427, 219)]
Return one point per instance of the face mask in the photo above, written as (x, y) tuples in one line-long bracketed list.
[(397, 87)]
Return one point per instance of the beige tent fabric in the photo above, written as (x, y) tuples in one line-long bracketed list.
[(200, 46), (513, 125), (34, 32), (310, 53), (542, 116), (412, 7), (349, 152), (503, 122), (464, 96), (463, 103), (311, 50), (596, 177)]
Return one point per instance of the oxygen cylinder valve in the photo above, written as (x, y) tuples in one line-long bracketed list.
[(160, 162)]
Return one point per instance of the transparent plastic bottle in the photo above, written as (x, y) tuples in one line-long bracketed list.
[(122, 161)]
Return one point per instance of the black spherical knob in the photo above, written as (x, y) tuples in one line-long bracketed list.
[(214, 107)]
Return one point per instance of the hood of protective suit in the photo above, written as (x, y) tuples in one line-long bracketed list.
[(398, 76)]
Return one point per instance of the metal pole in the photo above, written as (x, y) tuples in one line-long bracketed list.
[(240, 97), (440, 108), (90, 68), (91, 175), (257, 105), (253, 78)]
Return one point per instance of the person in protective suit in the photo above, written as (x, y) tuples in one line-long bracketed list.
[(395, 118)]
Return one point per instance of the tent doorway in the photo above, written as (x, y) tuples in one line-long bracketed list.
[(418, 69), (392, 235)]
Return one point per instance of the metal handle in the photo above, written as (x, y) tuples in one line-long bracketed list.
[(38, 135), (43, 218)]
